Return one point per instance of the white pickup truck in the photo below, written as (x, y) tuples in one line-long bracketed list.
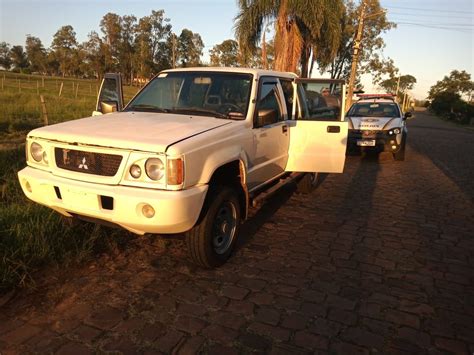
[(191, 152)]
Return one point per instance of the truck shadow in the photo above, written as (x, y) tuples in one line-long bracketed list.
[(258, 217)]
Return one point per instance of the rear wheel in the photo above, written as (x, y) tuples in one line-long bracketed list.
[(307, 183), (212, 239)]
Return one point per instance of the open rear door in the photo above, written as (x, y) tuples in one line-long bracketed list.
[(110, 98), (318, 134)]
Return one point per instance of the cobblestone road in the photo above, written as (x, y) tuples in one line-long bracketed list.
[(376, 260)]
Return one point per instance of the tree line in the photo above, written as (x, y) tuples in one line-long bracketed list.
[(305, 34), (453, 97)]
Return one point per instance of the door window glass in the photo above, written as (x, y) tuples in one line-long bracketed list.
[(287, 87), (268, 107), (320, 100)]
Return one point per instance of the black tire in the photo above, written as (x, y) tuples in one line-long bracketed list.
[(211, 241), (307, 183), (400, 155)]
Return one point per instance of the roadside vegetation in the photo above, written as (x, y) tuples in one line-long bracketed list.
[(453, 98), (33, 236)]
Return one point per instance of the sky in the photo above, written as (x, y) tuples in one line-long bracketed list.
[(432, 38)]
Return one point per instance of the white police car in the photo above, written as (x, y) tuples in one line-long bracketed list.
[(377, 123)]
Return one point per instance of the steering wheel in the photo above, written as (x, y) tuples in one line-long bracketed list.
[(229, 107)]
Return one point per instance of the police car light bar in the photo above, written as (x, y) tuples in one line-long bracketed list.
[(376, 96)]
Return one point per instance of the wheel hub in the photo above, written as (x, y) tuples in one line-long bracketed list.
[(224, 227)]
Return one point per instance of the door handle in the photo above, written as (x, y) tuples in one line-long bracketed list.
[(284, 128), (333, 129)]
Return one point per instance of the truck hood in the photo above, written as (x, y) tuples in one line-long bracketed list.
[(150, 132), (374, 123)]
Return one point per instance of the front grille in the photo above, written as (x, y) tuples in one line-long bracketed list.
[(87, 162)]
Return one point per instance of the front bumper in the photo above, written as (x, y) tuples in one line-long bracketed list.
[(175, 211), (383, 140)]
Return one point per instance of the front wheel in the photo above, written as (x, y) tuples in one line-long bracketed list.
[(212, 239), (307, 183), (400, 155)]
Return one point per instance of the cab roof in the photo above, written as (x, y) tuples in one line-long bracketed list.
[(256, 72)]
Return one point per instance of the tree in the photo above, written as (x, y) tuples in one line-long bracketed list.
[(64, 45), (5, 60), (126, 47), (407, 82), (370, 61), (190, 46), (458, 82), (110, 27), (301, 26), (36, 54), (225, 54), (95, 57), (18, 58)]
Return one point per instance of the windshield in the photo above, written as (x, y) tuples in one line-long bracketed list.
[(223, 95), (374, 109)]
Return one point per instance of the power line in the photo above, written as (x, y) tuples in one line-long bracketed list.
[(432, 10), (436, 27), (429, 15), (440, 24)]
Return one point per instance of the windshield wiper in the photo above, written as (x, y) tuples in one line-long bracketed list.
[(198, 111), (147, 108)]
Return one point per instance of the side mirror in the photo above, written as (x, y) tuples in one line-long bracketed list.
[(108, 107), (407, 115), (110, 98), (266, 117)]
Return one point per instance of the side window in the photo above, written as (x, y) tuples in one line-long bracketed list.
[(320, 100), (268, 106), (287, 87)]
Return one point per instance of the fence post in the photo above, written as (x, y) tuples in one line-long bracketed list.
[(77, 89), (45, 113), (73, 87), (61, 89), (42, 81), (37, 87)]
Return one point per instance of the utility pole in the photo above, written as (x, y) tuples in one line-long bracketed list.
[(355, 56), (398, 88)]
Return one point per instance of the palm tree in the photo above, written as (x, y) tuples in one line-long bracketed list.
[(301, 26)]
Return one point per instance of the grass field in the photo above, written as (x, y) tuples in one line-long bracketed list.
[(20, 105), (32, 236)]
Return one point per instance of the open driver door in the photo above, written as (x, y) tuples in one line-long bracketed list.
[(318, 132), (110, 97)]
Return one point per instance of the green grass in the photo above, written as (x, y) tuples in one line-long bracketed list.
[(32, 236)]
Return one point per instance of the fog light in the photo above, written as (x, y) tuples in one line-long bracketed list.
[(135, 171), (392, 142), (148, 211), (394, 147), (28, 187)]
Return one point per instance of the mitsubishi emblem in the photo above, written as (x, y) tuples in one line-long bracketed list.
[(83, 165)]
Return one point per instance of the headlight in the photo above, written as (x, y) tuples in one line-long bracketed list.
[(154, 168), (396, 130), (36, 151)]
